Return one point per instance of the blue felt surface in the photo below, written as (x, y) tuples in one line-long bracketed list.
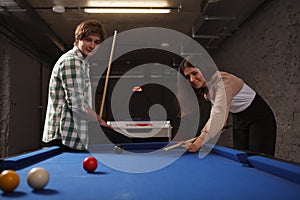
[(189, 177)]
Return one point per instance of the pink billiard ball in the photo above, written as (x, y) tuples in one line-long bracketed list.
[(90, 164)]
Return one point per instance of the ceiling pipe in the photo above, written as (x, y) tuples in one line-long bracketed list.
[(201, 19), (41, 24)]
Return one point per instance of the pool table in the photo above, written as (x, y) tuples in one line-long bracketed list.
[(224, 173)]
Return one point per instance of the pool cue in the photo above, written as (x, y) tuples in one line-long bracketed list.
[(107, 73), (190, 140), (179, 144)]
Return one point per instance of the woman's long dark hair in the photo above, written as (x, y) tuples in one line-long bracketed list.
[(186, 64), (183, 96)]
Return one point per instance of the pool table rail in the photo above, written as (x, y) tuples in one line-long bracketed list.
[(279, 168), (27, 159)]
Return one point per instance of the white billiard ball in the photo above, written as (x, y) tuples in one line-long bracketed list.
[(37, 178)]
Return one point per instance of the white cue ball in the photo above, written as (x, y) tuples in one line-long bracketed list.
[(37, 178), (118, 150)]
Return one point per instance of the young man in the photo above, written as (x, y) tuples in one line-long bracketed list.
[(69, 102)]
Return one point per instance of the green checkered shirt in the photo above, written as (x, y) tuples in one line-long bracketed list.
[(69, 95)]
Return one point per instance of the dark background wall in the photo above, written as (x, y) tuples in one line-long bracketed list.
[(265, 52), (24, 82)]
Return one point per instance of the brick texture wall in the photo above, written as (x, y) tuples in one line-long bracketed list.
[(265, 52)]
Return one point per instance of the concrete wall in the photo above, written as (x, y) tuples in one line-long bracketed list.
[(22, 100), (265, 52), (4, 96)]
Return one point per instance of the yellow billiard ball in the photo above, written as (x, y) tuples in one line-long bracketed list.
[(9, 180)]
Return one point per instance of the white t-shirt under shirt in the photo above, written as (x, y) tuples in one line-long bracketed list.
[(242, 99), (227, 93)]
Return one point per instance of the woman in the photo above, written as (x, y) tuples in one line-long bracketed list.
[(254, 124)]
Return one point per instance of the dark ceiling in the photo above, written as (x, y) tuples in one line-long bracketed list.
[(209, 22)]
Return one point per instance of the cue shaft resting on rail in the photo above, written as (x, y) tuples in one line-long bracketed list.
[(179, 144), (190, 140), (107, 74)]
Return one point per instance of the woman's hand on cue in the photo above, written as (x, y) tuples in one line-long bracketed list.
[(194, 146)]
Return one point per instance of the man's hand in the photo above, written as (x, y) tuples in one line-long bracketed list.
[(102, 122)]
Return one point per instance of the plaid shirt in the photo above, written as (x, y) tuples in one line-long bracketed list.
[(69, 95)]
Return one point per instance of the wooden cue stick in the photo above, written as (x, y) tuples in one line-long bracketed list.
[(179, 144), (107, 74)]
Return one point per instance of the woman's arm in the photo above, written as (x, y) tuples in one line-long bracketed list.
[(221, 95)]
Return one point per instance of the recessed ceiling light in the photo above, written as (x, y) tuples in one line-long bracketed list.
[(58, 9)]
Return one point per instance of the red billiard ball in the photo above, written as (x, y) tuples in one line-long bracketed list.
[(90, 164)]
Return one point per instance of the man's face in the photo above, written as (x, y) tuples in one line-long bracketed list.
[(89, 44)]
